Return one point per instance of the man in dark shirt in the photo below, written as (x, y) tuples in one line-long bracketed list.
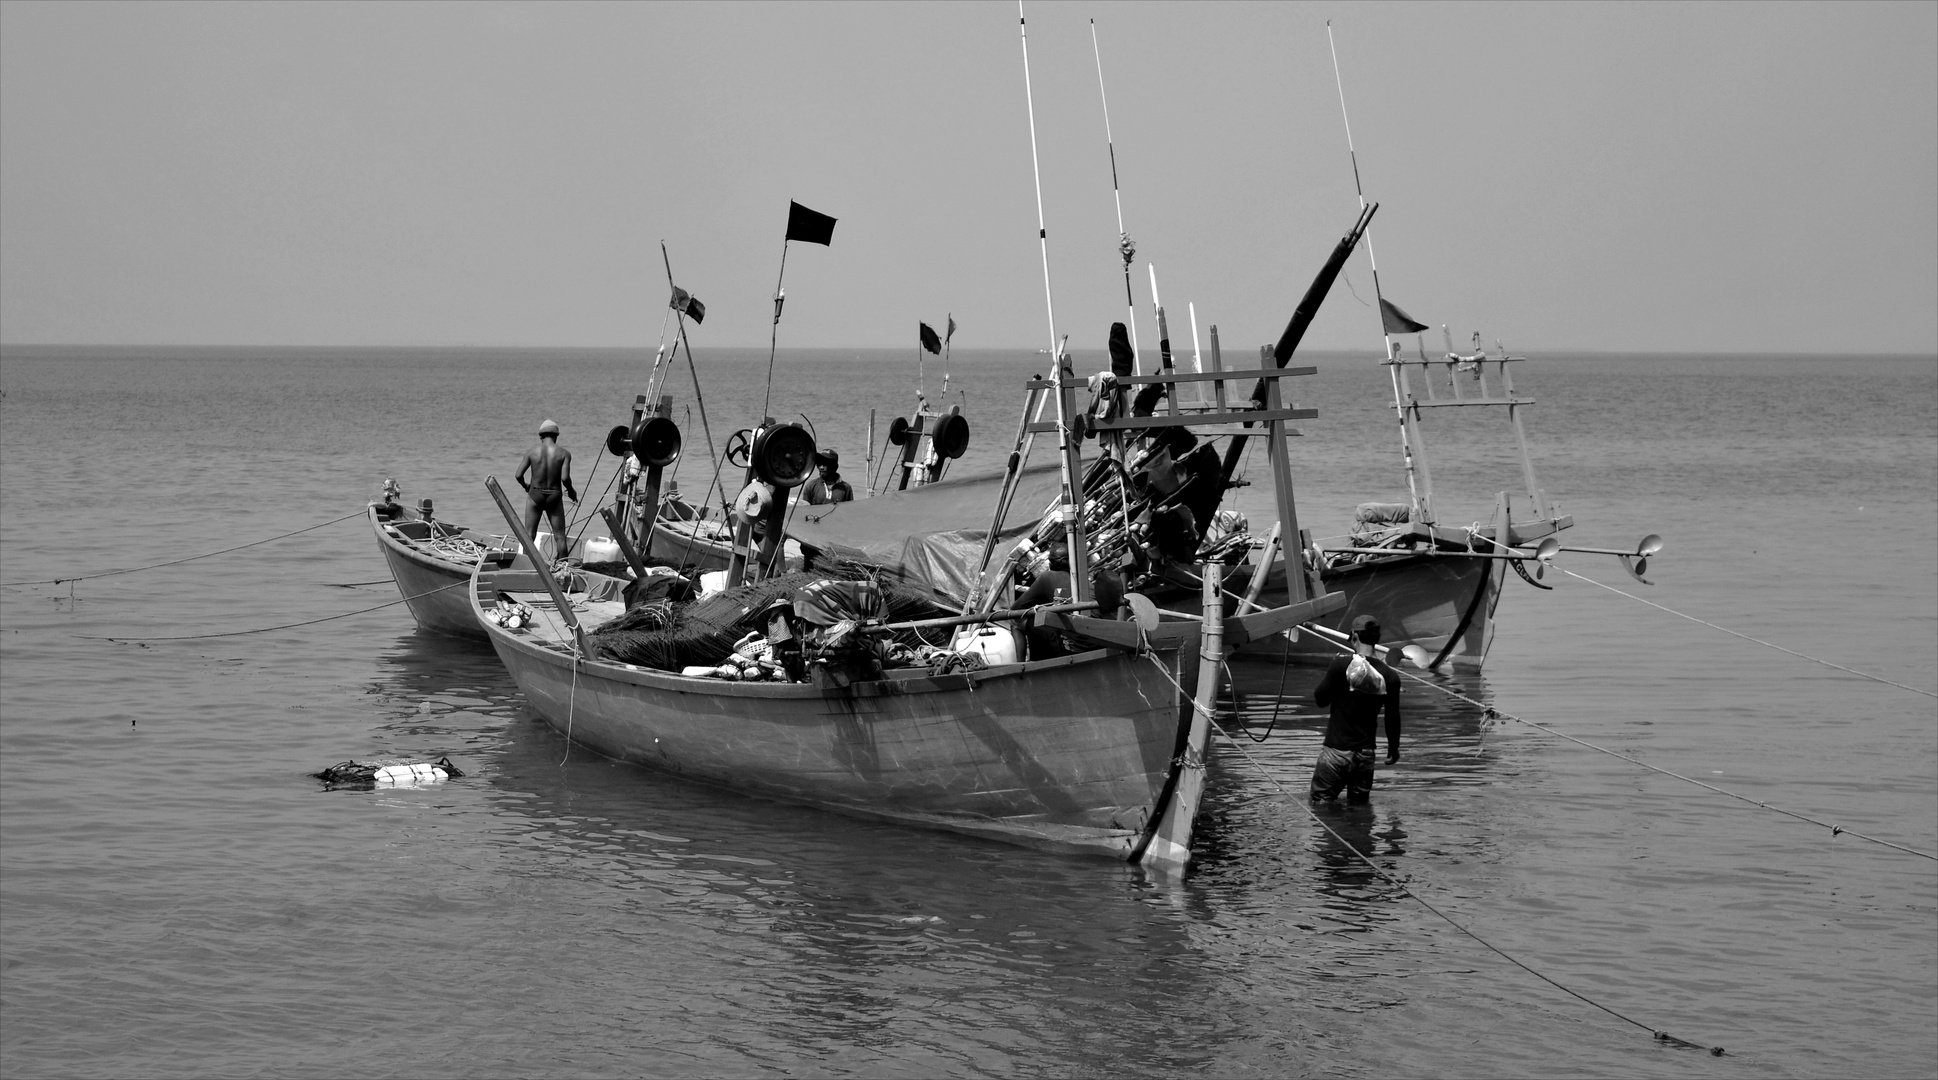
[(828, 487), (1357, 687)]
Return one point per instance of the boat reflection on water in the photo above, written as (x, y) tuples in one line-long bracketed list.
[(423, 674)]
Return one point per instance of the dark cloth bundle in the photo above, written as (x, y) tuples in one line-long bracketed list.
[(706, 630)]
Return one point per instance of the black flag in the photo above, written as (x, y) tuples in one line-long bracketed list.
[(1123, 361), (952, 328), (929, 340), (1397, 321), (689, 305), (808, 226)]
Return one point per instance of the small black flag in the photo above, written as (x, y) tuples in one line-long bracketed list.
[(808, 226), (1397, 321), (952, 328), (689, 305), (929, 340)]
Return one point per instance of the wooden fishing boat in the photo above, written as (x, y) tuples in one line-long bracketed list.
[(1433, 587), (430, 560), (1098, 751), (1427, 584)]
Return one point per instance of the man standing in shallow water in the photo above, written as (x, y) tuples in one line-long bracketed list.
[(551, 467), (1357, 687)]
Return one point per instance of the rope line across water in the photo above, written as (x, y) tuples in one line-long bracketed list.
[(285, 626), (1834, 829), (1746, 637), (177, 562), (1660, 1035)]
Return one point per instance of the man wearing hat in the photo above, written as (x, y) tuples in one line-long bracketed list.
[(1357, 687), (550, 466), (828, 487)]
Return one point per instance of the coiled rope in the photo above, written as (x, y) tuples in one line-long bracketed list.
[(285, 626), (1660, 1035), (191, 558), (1746, 637)]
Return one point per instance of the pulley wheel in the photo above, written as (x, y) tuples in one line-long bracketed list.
[(657, 442), (619, 441), (783, 455), (951, 436), (740, 446)]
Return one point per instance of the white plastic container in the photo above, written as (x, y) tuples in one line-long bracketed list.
[(995, 644), (409, 774), (600, 549)]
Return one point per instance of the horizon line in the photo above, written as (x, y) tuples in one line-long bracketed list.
[(7, 345)]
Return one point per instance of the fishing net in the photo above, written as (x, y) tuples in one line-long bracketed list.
[(674, 636)]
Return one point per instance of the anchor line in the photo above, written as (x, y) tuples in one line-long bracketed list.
[(1746, 637), (177, 562), (1660, 1034), (1492, 713), (285, 626)]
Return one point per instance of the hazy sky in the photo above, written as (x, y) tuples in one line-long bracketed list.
[(1623, 176)]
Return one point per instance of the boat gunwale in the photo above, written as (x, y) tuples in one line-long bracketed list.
[(914, 682)]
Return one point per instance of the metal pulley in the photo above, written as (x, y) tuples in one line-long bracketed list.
[(951, 436), (657, 442), (783, 455), (619, 441)]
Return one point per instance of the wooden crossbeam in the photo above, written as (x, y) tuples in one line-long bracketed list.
[(1195, 377), (1439, 403), (1207, 419)]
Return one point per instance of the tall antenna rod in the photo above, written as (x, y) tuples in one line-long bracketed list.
[(1072, 502), (1420, 511), (1126, 248)]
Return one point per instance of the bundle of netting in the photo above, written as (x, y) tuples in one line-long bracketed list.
[(704, 631)]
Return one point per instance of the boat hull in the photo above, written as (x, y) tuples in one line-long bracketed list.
[(432, 587), (1443, 604), (1073, 755)]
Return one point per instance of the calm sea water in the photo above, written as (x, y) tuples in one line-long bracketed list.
[(178, 897)]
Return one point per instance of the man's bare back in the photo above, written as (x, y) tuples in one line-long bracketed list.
[(550, 466)]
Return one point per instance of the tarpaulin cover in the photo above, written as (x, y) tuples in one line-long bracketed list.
[(931, 535)]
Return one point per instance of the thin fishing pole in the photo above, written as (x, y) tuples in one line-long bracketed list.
[(1386, 339), (1071, 492), (1125, 248), (694, 370), (774, 336)]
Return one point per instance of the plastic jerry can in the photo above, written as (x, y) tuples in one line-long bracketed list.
[(996, 644)]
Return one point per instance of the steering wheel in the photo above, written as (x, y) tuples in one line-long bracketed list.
[(740, 448)]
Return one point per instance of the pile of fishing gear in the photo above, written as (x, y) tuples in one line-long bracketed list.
[(820, 614)]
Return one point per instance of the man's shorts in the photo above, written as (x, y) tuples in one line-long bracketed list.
[(1348, 769)]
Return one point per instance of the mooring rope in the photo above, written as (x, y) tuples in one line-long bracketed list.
[(1491, 712), (191, 558), (285, 626), (1660, 1034), (1835, 830), (1746, 637)]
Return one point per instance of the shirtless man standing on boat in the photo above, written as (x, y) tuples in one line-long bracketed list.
[(551, 467)]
